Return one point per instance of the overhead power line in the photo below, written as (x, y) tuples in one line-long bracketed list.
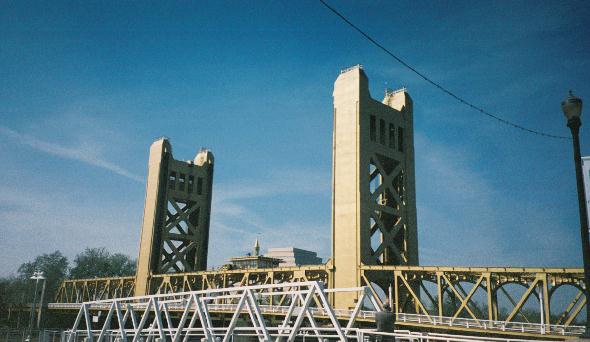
[(436, 84)]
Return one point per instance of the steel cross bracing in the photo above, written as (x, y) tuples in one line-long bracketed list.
[(467, 298), (84, 290), (180, 316), (387, 223), (187, 316), (416, 291)]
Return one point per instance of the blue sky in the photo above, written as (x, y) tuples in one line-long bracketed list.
[(86, 87)]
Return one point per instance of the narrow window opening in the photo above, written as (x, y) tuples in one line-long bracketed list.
[(373, 129), (400, 139), (391, 136), (199, 185), (191, 181), (172, 180), (382, 132), (181, 181)]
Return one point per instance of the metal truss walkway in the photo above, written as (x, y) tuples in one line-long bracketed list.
[(303, 311)]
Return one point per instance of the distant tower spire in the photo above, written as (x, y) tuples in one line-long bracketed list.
[(256, 248)]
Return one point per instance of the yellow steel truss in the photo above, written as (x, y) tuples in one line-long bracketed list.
[(411, 293), (459, 284)]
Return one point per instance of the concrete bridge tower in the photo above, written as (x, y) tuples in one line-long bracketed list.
[(175, 229), (374, 201)]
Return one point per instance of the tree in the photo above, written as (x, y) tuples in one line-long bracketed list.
[(54, 267), (12, 293), (19, 290), (98, 262)]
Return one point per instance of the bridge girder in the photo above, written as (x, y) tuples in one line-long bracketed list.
[(458, 283)]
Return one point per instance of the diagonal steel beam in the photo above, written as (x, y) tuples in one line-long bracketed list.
[(107, 322), (416, 298), (522, 300), (467, 298), (575, 312)]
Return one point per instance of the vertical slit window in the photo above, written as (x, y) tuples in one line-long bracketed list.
[(391, 136), (191, 181), (181, 181), (172, 180), (382, 132), (400, 139), (199, 185), (373, 129)]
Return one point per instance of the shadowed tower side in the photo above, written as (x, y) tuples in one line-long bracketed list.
[(374, 202), (175, 229)]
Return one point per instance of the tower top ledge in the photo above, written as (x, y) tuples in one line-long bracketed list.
[(390, 92), (354, 67)]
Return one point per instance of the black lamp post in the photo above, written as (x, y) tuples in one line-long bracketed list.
[(572, 108)]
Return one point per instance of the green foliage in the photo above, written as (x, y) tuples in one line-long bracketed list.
[(98, 262), (54, 267), (19, 290), (12, 290)]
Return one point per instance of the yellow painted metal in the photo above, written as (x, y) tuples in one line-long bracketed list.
[(574, 313), (447, 281), (465, 301), (374, 233), (404, 281), (175, 228), (373, 198), (81, 290)]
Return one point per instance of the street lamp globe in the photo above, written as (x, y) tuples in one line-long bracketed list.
[(38, 275), (572, 107)]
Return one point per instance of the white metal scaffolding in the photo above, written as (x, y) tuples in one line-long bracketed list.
[(182, 316)]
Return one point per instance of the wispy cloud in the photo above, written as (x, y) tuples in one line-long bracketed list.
[(35, 222), (68, 152), (276, 182), (237, 217), (465, 220)]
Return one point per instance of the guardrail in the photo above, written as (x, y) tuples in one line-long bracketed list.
[(534, 328), (304, 333)]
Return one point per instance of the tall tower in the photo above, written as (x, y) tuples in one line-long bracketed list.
[(374, 202), (175, 229)]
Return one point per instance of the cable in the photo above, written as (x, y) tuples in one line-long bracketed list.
[(437, 85)]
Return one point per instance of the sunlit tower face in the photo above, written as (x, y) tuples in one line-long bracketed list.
[(175, 230), (374, 205)]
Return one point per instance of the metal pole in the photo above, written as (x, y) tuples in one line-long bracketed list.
[(41, 304), (33, 310), (541, 310), (574, 125)]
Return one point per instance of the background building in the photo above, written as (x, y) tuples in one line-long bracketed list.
[(253, 260), (291, 256)]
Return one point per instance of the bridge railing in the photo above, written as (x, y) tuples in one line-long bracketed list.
[(321, 334), (426, 291), (533, 328), (476, 293), (367, 335)]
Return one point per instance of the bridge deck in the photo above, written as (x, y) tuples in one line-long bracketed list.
[(177, 303)]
